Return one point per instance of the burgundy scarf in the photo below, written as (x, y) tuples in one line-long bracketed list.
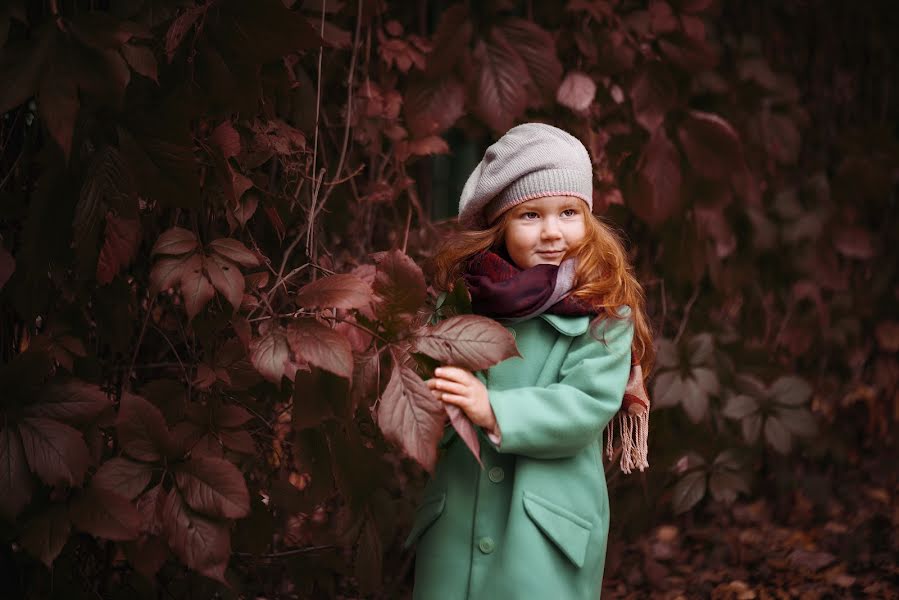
[(502, 291)]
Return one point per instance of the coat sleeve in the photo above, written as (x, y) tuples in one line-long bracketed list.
[(562, 418)]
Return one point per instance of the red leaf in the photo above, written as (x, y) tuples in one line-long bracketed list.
[(653, 94), (410, 416), (654, 194), (168, 271), (179, 28), (7, 266), (688, 53), (141, 61), (335, 291), (368, 567), (500, 83), (466, 430), (196, 290), (783, 138), (227, 279), (450, 42), (58, 105), (21, 66), (433, 106), (226, 138), (142, 430), (854, 242), (711, 144), (56, 452), (147, 555), (576, 92), (433, 144), (214, 487), (119, 248), (317, 397), (238, 440), (399, 282), (230, 416), (122, 476), (16, 484), (321, 346), (537, 48), (470, 341), (74, 402), (105, 514), (235, 251), (45, 535), (149, 505), (176, 240), (270, 356), (202, 544)]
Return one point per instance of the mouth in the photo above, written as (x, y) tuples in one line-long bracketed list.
[(550, 252)]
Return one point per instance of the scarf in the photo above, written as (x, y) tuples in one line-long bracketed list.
[(502, 291)]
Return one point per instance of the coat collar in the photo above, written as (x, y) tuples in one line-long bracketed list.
[(573, 326)]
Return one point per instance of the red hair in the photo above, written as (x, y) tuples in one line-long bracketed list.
[(603, 276)]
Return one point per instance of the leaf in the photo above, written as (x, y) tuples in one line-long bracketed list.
[(176, 240), (106, 515), (271, 357), (230, 416), (142, 430), (432, 144), (576, 92), (45, 535), (707, 380), (58, 105), (238, 440), (739, 406), (410, 416), (204, 545), (711, 144), (470, 341), (751, 427), (321, 346), (500, 92), (56, 452), (450, 42), (701, 349), (7, 266), (667, 356), (790, 390), (213, 486), (798, 421), (433, 106), (147, 554), (167, 272), (21, 66), (777, 435), (688, 491), (654, 190), (226, 139), (368, 566), (783, 139), (399, 282), (336, 291), (667, 390), (119, 247), (725, 485), (466, 430), (179, 28), (751, 386), (653, 94), (694, 400), (74, 402), (122, 476), (16, 484), (196, 289), (141, 61), (234, 251), (318, 396), (537, 49), (226, 278), (854, 242)]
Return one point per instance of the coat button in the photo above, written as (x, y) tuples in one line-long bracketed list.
[(496, 474), (486, 545)]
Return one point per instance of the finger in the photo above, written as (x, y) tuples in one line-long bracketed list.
[(456, 374), (447, 385), (460, 401)]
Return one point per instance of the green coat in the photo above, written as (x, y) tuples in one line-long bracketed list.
[(534, 522)]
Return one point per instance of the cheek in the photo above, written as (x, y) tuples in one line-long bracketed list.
[(575, 232)]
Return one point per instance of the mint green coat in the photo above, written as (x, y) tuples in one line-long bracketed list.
[(534, 522)]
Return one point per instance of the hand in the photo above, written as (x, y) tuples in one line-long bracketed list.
[(460, 387)]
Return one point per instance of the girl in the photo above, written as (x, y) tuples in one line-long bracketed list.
[(533, 522)]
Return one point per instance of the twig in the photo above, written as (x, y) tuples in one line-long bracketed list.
[(283, 554), (318, 104), (140, 338), (175, 352), (683, 323)]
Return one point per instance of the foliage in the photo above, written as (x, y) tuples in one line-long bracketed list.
[(210, 360)]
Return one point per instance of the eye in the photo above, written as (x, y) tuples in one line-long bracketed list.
[(529, 215), (569, 212)]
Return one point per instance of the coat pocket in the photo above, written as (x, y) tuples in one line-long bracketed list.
[(569, 532), (431, 508)]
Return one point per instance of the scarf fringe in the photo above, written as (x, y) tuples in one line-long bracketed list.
[(634, 433)]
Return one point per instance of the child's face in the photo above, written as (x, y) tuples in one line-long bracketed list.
[(540, 231)]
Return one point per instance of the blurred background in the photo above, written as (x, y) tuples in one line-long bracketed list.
[(196, 330)]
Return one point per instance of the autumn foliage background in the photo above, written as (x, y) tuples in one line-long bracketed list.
[(214, 323)]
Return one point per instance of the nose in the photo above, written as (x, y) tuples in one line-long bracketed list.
[(550, 230)]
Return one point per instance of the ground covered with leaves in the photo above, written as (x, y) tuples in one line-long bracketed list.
[(827, 537)]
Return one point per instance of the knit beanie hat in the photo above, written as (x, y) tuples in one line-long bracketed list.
[(531, 160)]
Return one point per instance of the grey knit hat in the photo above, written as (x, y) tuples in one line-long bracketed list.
[(531, 160)]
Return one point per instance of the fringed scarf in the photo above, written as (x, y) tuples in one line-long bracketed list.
[(502, 291)]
